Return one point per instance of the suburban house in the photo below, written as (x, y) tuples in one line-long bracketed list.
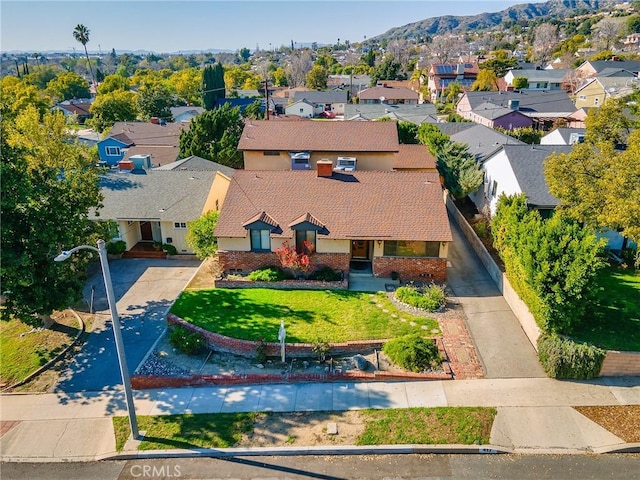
[(611, 83), (577, 118), (441, 75), (417, 114), (515, 169), (196, 164), (352, 84), (332, 101), (185, 114), (382, 223), (157, 206), (538, 79), (414, 158), (483, 141), (301, 108), (291, 145), (593, 68), (563, 136), (543, 107), (77, 108), (492, 116), (160, 140), (385, 94)]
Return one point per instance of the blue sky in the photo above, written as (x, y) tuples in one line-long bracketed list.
[(172, 26)]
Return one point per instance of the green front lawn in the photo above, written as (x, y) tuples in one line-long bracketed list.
[(309, 315), (613, 323)]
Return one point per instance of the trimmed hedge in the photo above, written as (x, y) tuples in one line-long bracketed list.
[(430, 299), (185, 340), (564, 358), (413, 353), (268, 274)]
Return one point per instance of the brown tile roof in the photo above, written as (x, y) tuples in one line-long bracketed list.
[(414, 156), (390, 93), (80, 109), (159, 155), (376, 205), (320, 136), (142, 133)]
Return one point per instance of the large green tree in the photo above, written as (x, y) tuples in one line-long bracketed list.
[(213, 86), (317, 78), (459, 169), (431, 136), (49, 187), (108, 108), (500, 63), (155, 101), (67, 86), (81, 34), (214, 135)]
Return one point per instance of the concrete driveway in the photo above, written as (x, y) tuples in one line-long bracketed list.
[(144, 290), (504, 349)]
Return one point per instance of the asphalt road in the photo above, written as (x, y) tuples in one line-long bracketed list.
[(408, 467), (144, 290)]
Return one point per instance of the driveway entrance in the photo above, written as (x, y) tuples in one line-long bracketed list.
[(144, 290)]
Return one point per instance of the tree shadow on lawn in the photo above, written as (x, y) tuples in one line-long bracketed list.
[(228, 312)]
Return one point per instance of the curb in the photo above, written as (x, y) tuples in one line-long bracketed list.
[(50, 363)]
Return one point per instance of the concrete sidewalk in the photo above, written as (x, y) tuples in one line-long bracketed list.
[(61, 426)]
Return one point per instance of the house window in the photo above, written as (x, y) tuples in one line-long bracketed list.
[(180, 225), (113, 151), (401, 248), (271, 153), (596, 102), (494, 189), (583, 97), (260, 240), (303, 236)]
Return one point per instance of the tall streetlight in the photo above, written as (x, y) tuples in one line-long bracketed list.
[(115, 322)]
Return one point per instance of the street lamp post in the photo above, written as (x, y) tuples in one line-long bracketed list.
[(115, 321)]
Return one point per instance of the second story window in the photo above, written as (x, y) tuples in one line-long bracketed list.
[(113, 151)]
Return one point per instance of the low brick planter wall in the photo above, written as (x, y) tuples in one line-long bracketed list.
[(620, 363), (247, 348), (283, 285), (411, 269)]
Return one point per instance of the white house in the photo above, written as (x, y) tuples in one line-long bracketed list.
[(564, 136)]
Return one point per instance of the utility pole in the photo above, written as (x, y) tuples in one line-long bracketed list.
[(266, 93)]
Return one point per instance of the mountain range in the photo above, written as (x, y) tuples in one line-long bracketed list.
[(516, 13)]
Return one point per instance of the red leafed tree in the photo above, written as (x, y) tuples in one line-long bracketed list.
[(298, 262)]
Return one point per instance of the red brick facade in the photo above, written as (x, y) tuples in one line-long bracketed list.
[(411, 269), (246, 262)]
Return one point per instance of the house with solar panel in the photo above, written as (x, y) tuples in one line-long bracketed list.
[(441, 75)]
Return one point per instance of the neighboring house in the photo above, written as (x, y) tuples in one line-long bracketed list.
[(77, 108), (185, 114), (242, 102), (414, 158), (577, 118), (483, 141), (160, 155), (124, 135), (611, 83), (538, 79), (593, 68), (440, 76), (290, 145), (515, 169), (86, 136), (197, 164), (417, 114), (157, 206), (331, 101), (542, 106), (384, 94), (352, 84), (492, 116), (381, 222), (563, 136), (301, 108)]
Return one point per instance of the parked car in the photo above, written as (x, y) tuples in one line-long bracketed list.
[(327, 114)]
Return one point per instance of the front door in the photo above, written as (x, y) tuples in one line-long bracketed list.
[(360, 249), (146, 232)]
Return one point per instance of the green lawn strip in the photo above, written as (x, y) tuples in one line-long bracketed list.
[(427, 426), (309, 315), (23, 350), (207, 430), (613, 323)]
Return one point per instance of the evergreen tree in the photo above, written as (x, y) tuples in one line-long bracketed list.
[(213, 86)]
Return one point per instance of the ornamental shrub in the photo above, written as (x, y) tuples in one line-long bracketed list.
[(327, 274), (170, 249), (187, 341), (267, 274), (117, 247), (414, 353), (564, 358), (431, 299)]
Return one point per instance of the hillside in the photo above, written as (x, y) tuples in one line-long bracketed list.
[(516, 13)]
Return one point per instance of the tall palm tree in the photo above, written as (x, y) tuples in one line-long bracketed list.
[(81, 34)]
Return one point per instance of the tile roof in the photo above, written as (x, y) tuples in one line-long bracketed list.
[(80, 109), (392, 205), (414, 156), (156, 195), (389, 93), (320, 136), (527, 164), (143, 133)]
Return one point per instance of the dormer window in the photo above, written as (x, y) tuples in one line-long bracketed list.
[(260, 228), (260, 240), (300, 160)]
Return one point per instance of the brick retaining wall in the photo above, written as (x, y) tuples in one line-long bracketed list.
[(284, 285), (411, 269), (620, 363)]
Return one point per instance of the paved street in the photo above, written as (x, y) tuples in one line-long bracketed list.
[(144, 290)]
